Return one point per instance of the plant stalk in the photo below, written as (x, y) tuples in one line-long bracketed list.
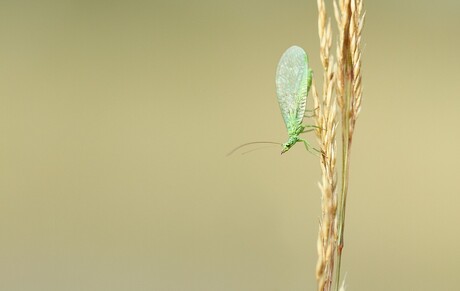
[(346, 144)]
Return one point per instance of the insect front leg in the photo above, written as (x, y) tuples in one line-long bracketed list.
[(309, 147)]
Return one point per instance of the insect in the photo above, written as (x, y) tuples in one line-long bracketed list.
[(293, 82)]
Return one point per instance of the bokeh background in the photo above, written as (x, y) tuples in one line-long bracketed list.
[(115, 121)]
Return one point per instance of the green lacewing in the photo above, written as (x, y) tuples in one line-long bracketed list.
[(293, 82)]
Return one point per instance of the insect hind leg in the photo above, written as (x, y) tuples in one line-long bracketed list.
[(309, 127), (314, 113)]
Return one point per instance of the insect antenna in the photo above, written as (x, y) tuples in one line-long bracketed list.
[(250, 143), (256, 149)]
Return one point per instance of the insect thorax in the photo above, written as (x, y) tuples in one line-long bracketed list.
[(296, 130)]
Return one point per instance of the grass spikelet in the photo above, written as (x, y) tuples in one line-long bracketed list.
[(341, 92), (326, 111)]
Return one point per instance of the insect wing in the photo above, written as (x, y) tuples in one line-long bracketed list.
[(293, 80)]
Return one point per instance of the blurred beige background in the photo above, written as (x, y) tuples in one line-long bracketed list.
[(115, 118)]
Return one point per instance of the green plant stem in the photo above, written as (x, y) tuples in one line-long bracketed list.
[(341, 222), (346, 143)]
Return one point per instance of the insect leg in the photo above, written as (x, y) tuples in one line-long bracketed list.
[(313, 110), (310, 128), (309, 147)]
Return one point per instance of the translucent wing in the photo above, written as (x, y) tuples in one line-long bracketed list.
[(293, 80)]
